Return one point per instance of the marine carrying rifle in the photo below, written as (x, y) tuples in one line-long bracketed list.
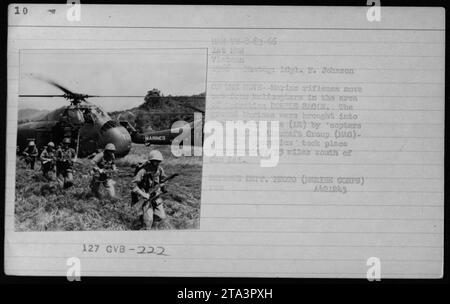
[(154, 193), (26, 155)]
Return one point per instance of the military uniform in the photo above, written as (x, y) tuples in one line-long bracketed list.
[(48, 163), (144, 182), (64, 166), (30, 153), (103, 163)]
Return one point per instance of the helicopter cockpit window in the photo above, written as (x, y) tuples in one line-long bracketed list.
[(88, 116), (99, 111), (100, 114), (75, 116)]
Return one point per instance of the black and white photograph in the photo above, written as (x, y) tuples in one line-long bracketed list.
[(94, 137), (231, 141)]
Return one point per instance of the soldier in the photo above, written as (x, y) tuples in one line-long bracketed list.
[(64, 164), (48, 161), (30, 153), (148, 178), (104, 164)]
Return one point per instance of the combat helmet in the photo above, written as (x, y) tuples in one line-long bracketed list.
[(155, 155), (110, 147)]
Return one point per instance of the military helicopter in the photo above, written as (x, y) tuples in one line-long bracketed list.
[(89, 127)]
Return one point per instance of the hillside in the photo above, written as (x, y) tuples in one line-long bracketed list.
[(158, 112), (25, 115)]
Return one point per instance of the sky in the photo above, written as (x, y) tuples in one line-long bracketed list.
[(110, 72)]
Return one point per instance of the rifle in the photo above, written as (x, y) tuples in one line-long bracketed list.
[(51, 160), (27, 157), (102, 175), (31, 154), (77, 163), (154, 193)]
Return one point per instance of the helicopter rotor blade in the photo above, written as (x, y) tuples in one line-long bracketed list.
[(76, 98), (41, 95), (112, 96), (53, 83), (139, 96)]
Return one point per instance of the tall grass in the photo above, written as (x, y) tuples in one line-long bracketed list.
[(42, 206)]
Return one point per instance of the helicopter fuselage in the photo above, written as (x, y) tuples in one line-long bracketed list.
[(89, 127)]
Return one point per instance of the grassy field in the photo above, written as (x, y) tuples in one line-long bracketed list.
[(42, 206)]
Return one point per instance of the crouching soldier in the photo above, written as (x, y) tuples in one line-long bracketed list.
[(146, 187), (104, 165), (30, 154), (64, 164), (48, 161)]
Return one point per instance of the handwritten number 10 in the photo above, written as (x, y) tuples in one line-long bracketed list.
[(24, 10)]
